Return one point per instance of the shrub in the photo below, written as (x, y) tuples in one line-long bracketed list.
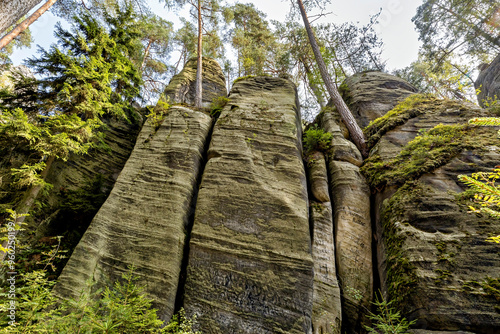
[(387, 320), (316, 139), (121, 309)]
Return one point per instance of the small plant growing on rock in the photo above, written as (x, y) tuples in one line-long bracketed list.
[(217, 104), (316, 139), (387, 320)]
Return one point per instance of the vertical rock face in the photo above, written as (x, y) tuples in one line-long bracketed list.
[(353, 231), (181, 88), (371, 94), (488, 82), (144, 220), (327, 309), (433, 260), (250, 268)]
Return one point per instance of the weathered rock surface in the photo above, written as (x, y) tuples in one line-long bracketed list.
[(181, 88), (353, 231), (488, 82), (327, 308), (250, 267), (432, 256), (371, 94), (145, 218)]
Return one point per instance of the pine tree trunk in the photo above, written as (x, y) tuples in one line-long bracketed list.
[(199, 70), (13, 11), (357, 135), (146, 54), (25, 24), (27, 202)]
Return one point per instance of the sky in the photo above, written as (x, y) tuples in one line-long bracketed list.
[(395, 27)]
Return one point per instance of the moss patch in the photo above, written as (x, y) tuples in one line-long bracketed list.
[(426, 152), (401, 274), (243, 78), (411, 107)]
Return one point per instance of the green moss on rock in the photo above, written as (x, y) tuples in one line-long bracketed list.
[(401, 274), (412, 106), (426, 152)]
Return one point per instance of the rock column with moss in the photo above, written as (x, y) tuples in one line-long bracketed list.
[(250, 268), (352, 223), (327, 309), (433, 260)]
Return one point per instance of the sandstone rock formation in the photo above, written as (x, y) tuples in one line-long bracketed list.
[(254, 241), (250, 268), (488, 82), (181, 87), (146, 220), (371, 94), (432, 256), (352, 224), (327, 306)]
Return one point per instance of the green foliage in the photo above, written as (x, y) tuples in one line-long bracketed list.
[(217, 104), (180, 324), (487, 194), (387, 320), (88, 73), (316, 139), (157, 114), (121, 309), (251, 37), (410, 107), (243, 78), (401, 275), (424, 153)]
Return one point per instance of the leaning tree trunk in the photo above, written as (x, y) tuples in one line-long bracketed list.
[(354, 130), (199, 71), (25, 24), (13, 11)]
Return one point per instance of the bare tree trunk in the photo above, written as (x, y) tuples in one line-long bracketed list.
[(146, 53), (25, 24), (27, 202), (357, 135), (199, 70), (13, 11)]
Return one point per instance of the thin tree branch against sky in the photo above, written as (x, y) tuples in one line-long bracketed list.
[(395, 27)]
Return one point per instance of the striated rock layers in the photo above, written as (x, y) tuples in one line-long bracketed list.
[(352, 224), (181, 88), (327, 306), (433, 260), (488, 83), (147, 217), (250, 268)]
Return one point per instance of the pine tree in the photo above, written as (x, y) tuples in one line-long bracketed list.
[(87, 75)]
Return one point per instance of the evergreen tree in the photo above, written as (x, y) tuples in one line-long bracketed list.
[(87, 75), (447, 25)]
